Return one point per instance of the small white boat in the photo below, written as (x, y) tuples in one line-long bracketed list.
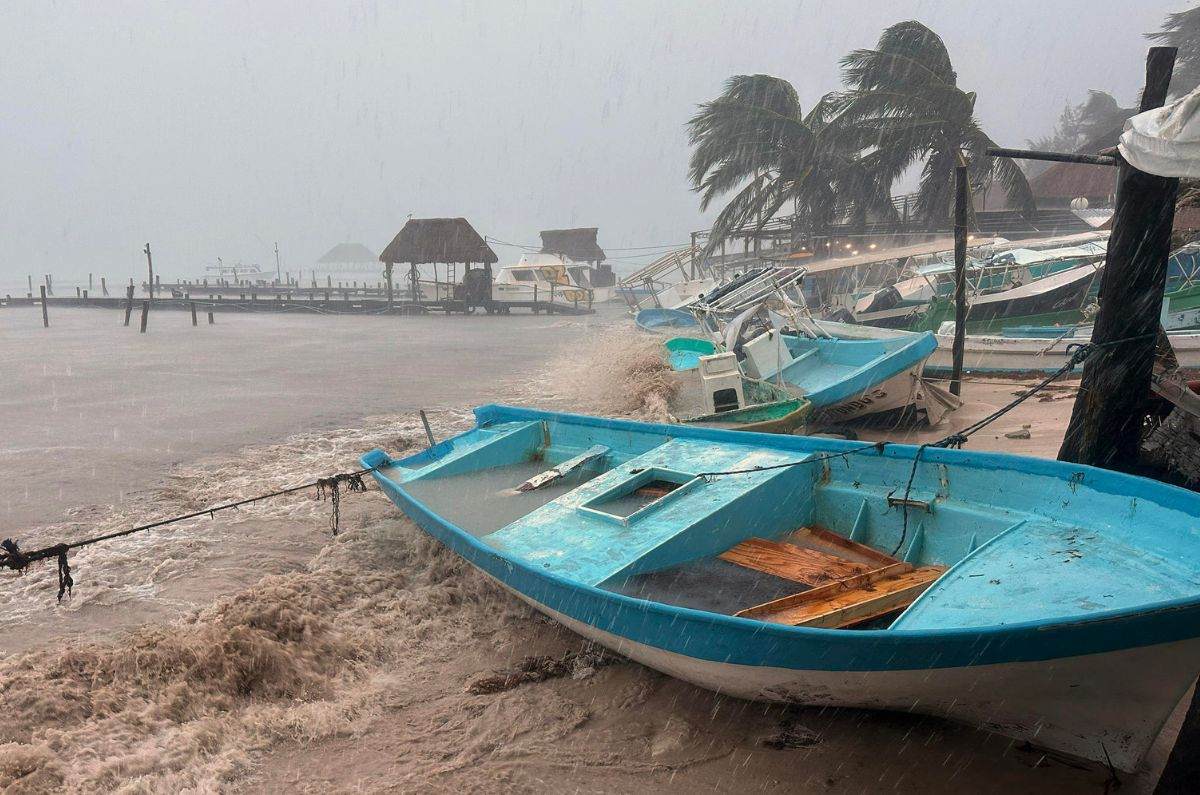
[(540, 277)]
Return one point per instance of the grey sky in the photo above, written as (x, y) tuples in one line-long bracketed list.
[(214, 129)]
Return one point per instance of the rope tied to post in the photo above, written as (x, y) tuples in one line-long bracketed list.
[(14, 558)]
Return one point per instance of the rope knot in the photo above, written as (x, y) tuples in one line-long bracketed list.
[(1079, 352), (330, 487), (14, 558), (65, 583), (954, 441)]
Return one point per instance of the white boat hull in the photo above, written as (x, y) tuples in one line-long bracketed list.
[(1102, 707), (988, 354), (898, 392)]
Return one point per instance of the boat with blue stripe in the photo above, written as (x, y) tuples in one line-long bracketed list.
[(1051, 602)]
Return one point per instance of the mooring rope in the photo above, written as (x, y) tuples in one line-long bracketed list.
[(13, 557)]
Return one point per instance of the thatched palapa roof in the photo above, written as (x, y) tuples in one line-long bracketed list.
[(578, 244), (424, 240), (344, 253)]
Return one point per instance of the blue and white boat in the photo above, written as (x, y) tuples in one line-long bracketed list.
[(845, 371), (1051, 602)]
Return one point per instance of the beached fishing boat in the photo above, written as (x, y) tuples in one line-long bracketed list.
[(1057, 298), (711, 390), (1048, 601), (845, 378), (659, 320)]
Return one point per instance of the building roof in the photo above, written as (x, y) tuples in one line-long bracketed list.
[(578, 244), (347, 253), (424, 240), (886, 254)]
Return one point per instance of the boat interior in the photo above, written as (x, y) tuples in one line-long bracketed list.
[(783, 535)]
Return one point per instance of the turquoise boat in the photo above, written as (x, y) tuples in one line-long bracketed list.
[(683, 353), (844, 379), (659, 319), (1051, 602)]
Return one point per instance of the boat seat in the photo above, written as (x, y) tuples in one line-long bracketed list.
[(808, 566), (854, 600), (850, 582)]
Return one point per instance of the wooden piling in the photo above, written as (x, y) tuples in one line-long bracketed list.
[(128, 304), (210, 317), (103, 286), (962, 195), (1106, 422), (192, 305), (150, 266), (145, 314), (45, 310)]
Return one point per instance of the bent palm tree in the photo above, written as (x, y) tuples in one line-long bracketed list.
[(903, 104), (756, 136)]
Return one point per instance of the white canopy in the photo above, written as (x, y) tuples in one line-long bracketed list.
[(1165, 141)]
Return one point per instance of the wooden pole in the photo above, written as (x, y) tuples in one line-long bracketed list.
[(150, 265), (210, 317), (30, 285), (128, 303), (962, 195), (192, 304), (145, 314), (103, 286), (387, 270), (45, 311), (1106, 422)]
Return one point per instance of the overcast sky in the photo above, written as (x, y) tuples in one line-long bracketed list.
[(217, 128)]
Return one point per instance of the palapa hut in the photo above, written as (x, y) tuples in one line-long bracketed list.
[(432, 240), (348, 256), (580, 245)]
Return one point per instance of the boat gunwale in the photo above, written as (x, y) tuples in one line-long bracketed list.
[(1023, 641)]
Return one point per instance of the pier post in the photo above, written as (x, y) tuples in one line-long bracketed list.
[(45, 311), (128, 303), (49, 285), (103, 286), (1106, 422), (210, 317), (962, 195), (192, 304), (150, 265), (145, 314), (30, 277)]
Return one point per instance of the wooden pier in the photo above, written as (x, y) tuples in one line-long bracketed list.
[(317, 302)]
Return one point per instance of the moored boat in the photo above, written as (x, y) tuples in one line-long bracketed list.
[(1027, 597), (660, 319)]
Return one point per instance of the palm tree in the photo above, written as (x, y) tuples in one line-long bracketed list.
[(1182, 30), (903, 105), (756, 140)]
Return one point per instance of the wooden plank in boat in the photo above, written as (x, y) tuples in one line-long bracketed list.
[(820, 534), (845, 608), (827, 591), (799, 564)]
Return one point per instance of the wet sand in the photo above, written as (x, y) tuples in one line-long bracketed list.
[(268, 656)]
